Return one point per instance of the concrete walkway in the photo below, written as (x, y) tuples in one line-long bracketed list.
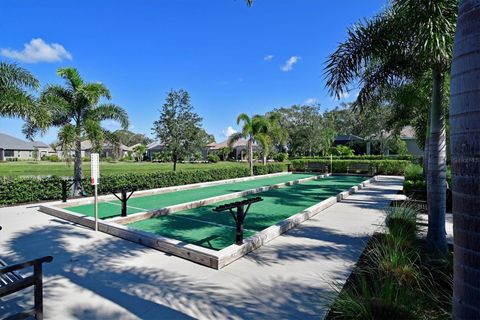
[(97, 276)]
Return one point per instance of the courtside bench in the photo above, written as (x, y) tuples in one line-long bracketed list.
[(368, 168), (316, 167), (11, 282)]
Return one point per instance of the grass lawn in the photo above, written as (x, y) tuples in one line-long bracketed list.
[(45, 168)]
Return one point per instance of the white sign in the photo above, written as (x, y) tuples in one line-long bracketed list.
[(95, 169)]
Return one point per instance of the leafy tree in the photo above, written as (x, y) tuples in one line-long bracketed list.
[(254, 129), (465, 129), (76, 109), (139, 151), (306, 132), (129, 138), (407, 39), (179, 127)]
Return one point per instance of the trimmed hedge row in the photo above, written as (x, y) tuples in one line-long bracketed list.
[(361, 157), (20, 190), (396, 167)]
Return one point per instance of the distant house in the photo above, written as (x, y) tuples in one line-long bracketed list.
[(107, 150), (14, 148), (154, 147), (409, 136), (239, 148)]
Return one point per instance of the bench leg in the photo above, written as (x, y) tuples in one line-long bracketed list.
[(38, 291)]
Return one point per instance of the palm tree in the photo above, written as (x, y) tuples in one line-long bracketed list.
[(75, 109), (15, 99), (402, 43), (465, 137), (253, 129)]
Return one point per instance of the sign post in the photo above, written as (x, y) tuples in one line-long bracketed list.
[(95, 175)]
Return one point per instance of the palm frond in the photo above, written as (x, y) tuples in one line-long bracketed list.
[(95, 134), (72, 76), (11, 75), (92, 92), (234, 138), (109, 111)]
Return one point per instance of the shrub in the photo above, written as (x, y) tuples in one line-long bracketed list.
[(52, 158), (18, 190), (342, 150), (282, 156), (396, 167), (260, 169), (213, 158)]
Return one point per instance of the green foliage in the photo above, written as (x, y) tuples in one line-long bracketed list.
[(213, 158), (342, 151), (20, 190), (269, 168), (23, 190), (179, 127), (396, 278), (140, 151), (52, 158), (361, 157), (281, 156), (392, 167)]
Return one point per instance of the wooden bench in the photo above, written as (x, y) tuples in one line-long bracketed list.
[(362, 168), (11, 282), (316, 167)]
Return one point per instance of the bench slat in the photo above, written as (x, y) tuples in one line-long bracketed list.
[(17, 286)]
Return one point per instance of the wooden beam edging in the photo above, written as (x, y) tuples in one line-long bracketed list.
[(141, 193), (207, 257), (199, 203), (60, 210)]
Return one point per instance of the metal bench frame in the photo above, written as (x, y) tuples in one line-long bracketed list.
[(366, 167), (11, 282)]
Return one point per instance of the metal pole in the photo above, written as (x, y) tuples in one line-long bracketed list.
[(239, 233), (331, 164), (96, 208)]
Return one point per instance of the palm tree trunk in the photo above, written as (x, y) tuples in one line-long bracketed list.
[(427, 147), (77, 166), (250, 155), (437, 168), (465, 147)]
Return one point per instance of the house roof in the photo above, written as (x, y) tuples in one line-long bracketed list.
[(348, 137), (12, 143), (87, 145), (224, 144), (408, 133), (155, 144)]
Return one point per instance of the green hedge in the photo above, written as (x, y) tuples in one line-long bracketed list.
[(361, 157), (18, 190), (21, 190), (395, 167)]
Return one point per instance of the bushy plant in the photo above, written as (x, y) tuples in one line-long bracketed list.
[(342, 150), (392, 167), (214, 158), (281, 156), (52, 158), (260, 169)]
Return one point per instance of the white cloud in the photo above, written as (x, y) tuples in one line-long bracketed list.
[(268, 57), (229, 131), (311, 101), (290, 63), (38, 51)]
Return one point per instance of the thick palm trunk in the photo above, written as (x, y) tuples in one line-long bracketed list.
[(427, 147), (465, 144), (437, 171), (250, 155)]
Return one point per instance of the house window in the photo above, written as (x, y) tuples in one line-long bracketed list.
[(9, 153)]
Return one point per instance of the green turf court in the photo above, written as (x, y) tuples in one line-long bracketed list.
[(112, 208), (216, 230)]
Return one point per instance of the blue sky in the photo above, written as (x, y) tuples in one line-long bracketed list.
[(230, 58)]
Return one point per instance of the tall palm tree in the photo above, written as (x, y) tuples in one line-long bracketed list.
[(16, 101), (76, 110), (465, 137), (253, 129), (402, 43)]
